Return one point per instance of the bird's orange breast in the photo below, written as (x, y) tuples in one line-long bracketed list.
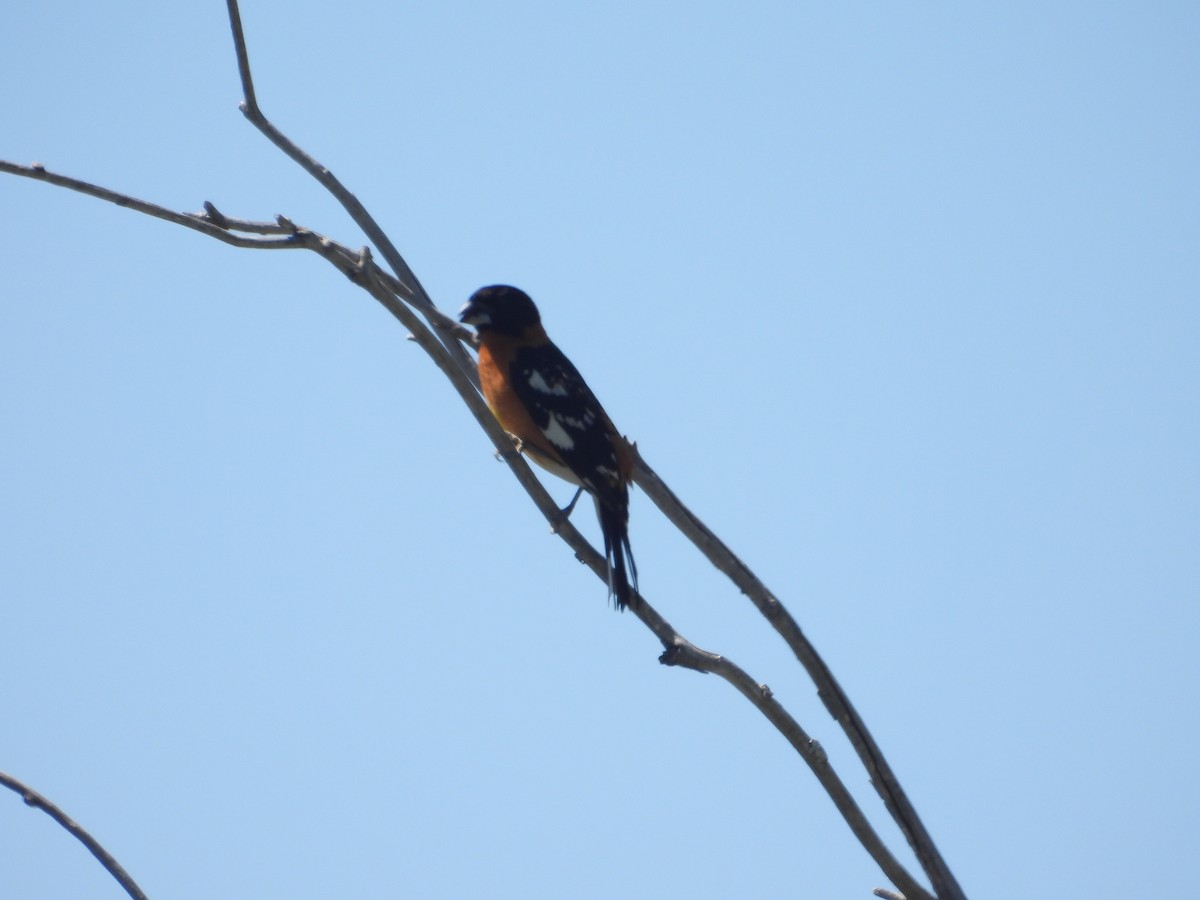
[(495, 361)]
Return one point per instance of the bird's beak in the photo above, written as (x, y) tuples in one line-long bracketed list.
[(471, 314)]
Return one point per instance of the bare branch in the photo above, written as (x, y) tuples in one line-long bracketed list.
[(216, 224), (882, 777), (37, 801), (363, 219), (196, 221), (810, 751), (243, 58)]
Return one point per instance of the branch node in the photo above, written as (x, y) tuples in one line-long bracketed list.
[(682, 653), (214, 215), (670, 656), (362, 269)]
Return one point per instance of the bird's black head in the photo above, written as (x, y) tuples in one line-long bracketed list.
[(501, 308)]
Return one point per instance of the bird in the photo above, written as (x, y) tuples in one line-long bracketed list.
[(539, 397)]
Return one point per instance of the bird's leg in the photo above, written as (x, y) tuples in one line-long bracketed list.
[(533, 453), (565, 512), (570, 507)]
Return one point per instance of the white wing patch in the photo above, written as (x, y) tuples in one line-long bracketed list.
[(556, 434), (538, 382), (579, 424)]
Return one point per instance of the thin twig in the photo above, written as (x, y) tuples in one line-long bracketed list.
[(195, 221), (215, 224), (37, 801)]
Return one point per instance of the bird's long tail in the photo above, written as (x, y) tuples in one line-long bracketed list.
[(622, 571)]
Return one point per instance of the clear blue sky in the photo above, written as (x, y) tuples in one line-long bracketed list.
[(903, 300)]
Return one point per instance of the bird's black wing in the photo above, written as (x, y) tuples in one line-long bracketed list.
[(569, 416)]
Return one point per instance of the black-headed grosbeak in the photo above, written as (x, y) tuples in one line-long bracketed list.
[(540, 397)]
